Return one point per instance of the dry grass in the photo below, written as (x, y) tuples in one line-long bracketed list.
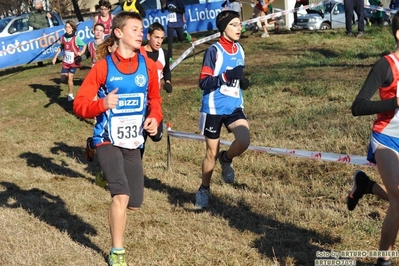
[(280, 211)]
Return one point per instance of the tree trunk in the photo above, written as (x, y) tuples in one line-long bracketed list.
[(77, 10)]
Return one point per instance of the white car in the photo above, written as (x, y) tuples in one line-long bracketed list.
[(18, 24), (329, 15)]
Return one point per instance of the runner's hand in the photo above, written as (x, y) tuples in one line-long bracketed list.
[(111, 100), (244, 83), (151, 126), (167, 87), (235, 73)]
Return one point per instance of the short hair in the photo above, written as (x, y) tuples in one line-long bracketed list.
[(119, 21), (155, 26), (395, 25), (99, 24), (72, 24), (107, 4)]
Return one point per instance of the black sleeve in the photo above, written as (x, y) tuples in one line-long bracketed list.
[(180, 8), (380, 76), (140, 9), (167, 74)]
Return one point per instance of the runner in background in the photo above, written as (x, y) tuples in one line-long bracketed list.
[(106, 47), (73, 48), (262, 8), (222, 81), (176, 21), (105, 17), (384, 140), (154, 51), (98, 39)]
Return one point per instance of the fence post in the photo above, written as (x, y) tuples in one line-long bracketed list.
[(168, 147)]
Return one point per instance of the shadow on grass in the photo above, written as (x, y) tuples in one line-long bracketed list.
[(16, 70), (50, 209), (53, 93), (62, 169), (77, 152), (277, 240)]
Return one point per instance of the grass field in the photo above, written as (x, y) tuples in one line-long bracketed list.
[(281, 210)]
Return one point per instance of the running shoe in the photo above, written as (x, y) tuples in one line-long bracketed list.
[(89, 150), (265, 35), (188, 36), (70, 97), (100, 179), (227, 169), (202, 198), (117, 258), (360, 184)]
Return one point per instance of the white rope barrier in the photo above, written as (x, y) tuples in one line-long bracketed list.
[(317, 155)]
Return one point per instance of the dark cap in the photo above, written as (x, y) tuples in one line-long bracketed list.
[(224, 18)]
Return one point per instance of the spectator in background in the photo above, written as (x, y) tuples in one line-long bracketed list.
[(394, 4), (133, 6), (377, 16), (358, 7), (298, 4), (39, 18), (105, 17), (176, 22)]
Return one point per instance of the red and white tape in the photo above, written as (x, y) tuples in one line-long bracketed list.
[(324, 156)]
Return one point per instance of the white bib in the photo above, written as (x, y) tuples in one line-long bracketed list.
[(172, 17), (232, 89), (126, 131), (69, 57)]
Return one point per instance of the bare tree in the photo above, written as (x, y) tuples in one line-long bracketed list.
[(62, 7), (67, 7), (16, 7)]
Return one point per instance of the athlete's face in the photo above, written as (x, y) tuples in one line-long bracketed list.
[(132, 34), (233, 30), (155, 39), (68, 28), (98, 32), (104, 11)]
